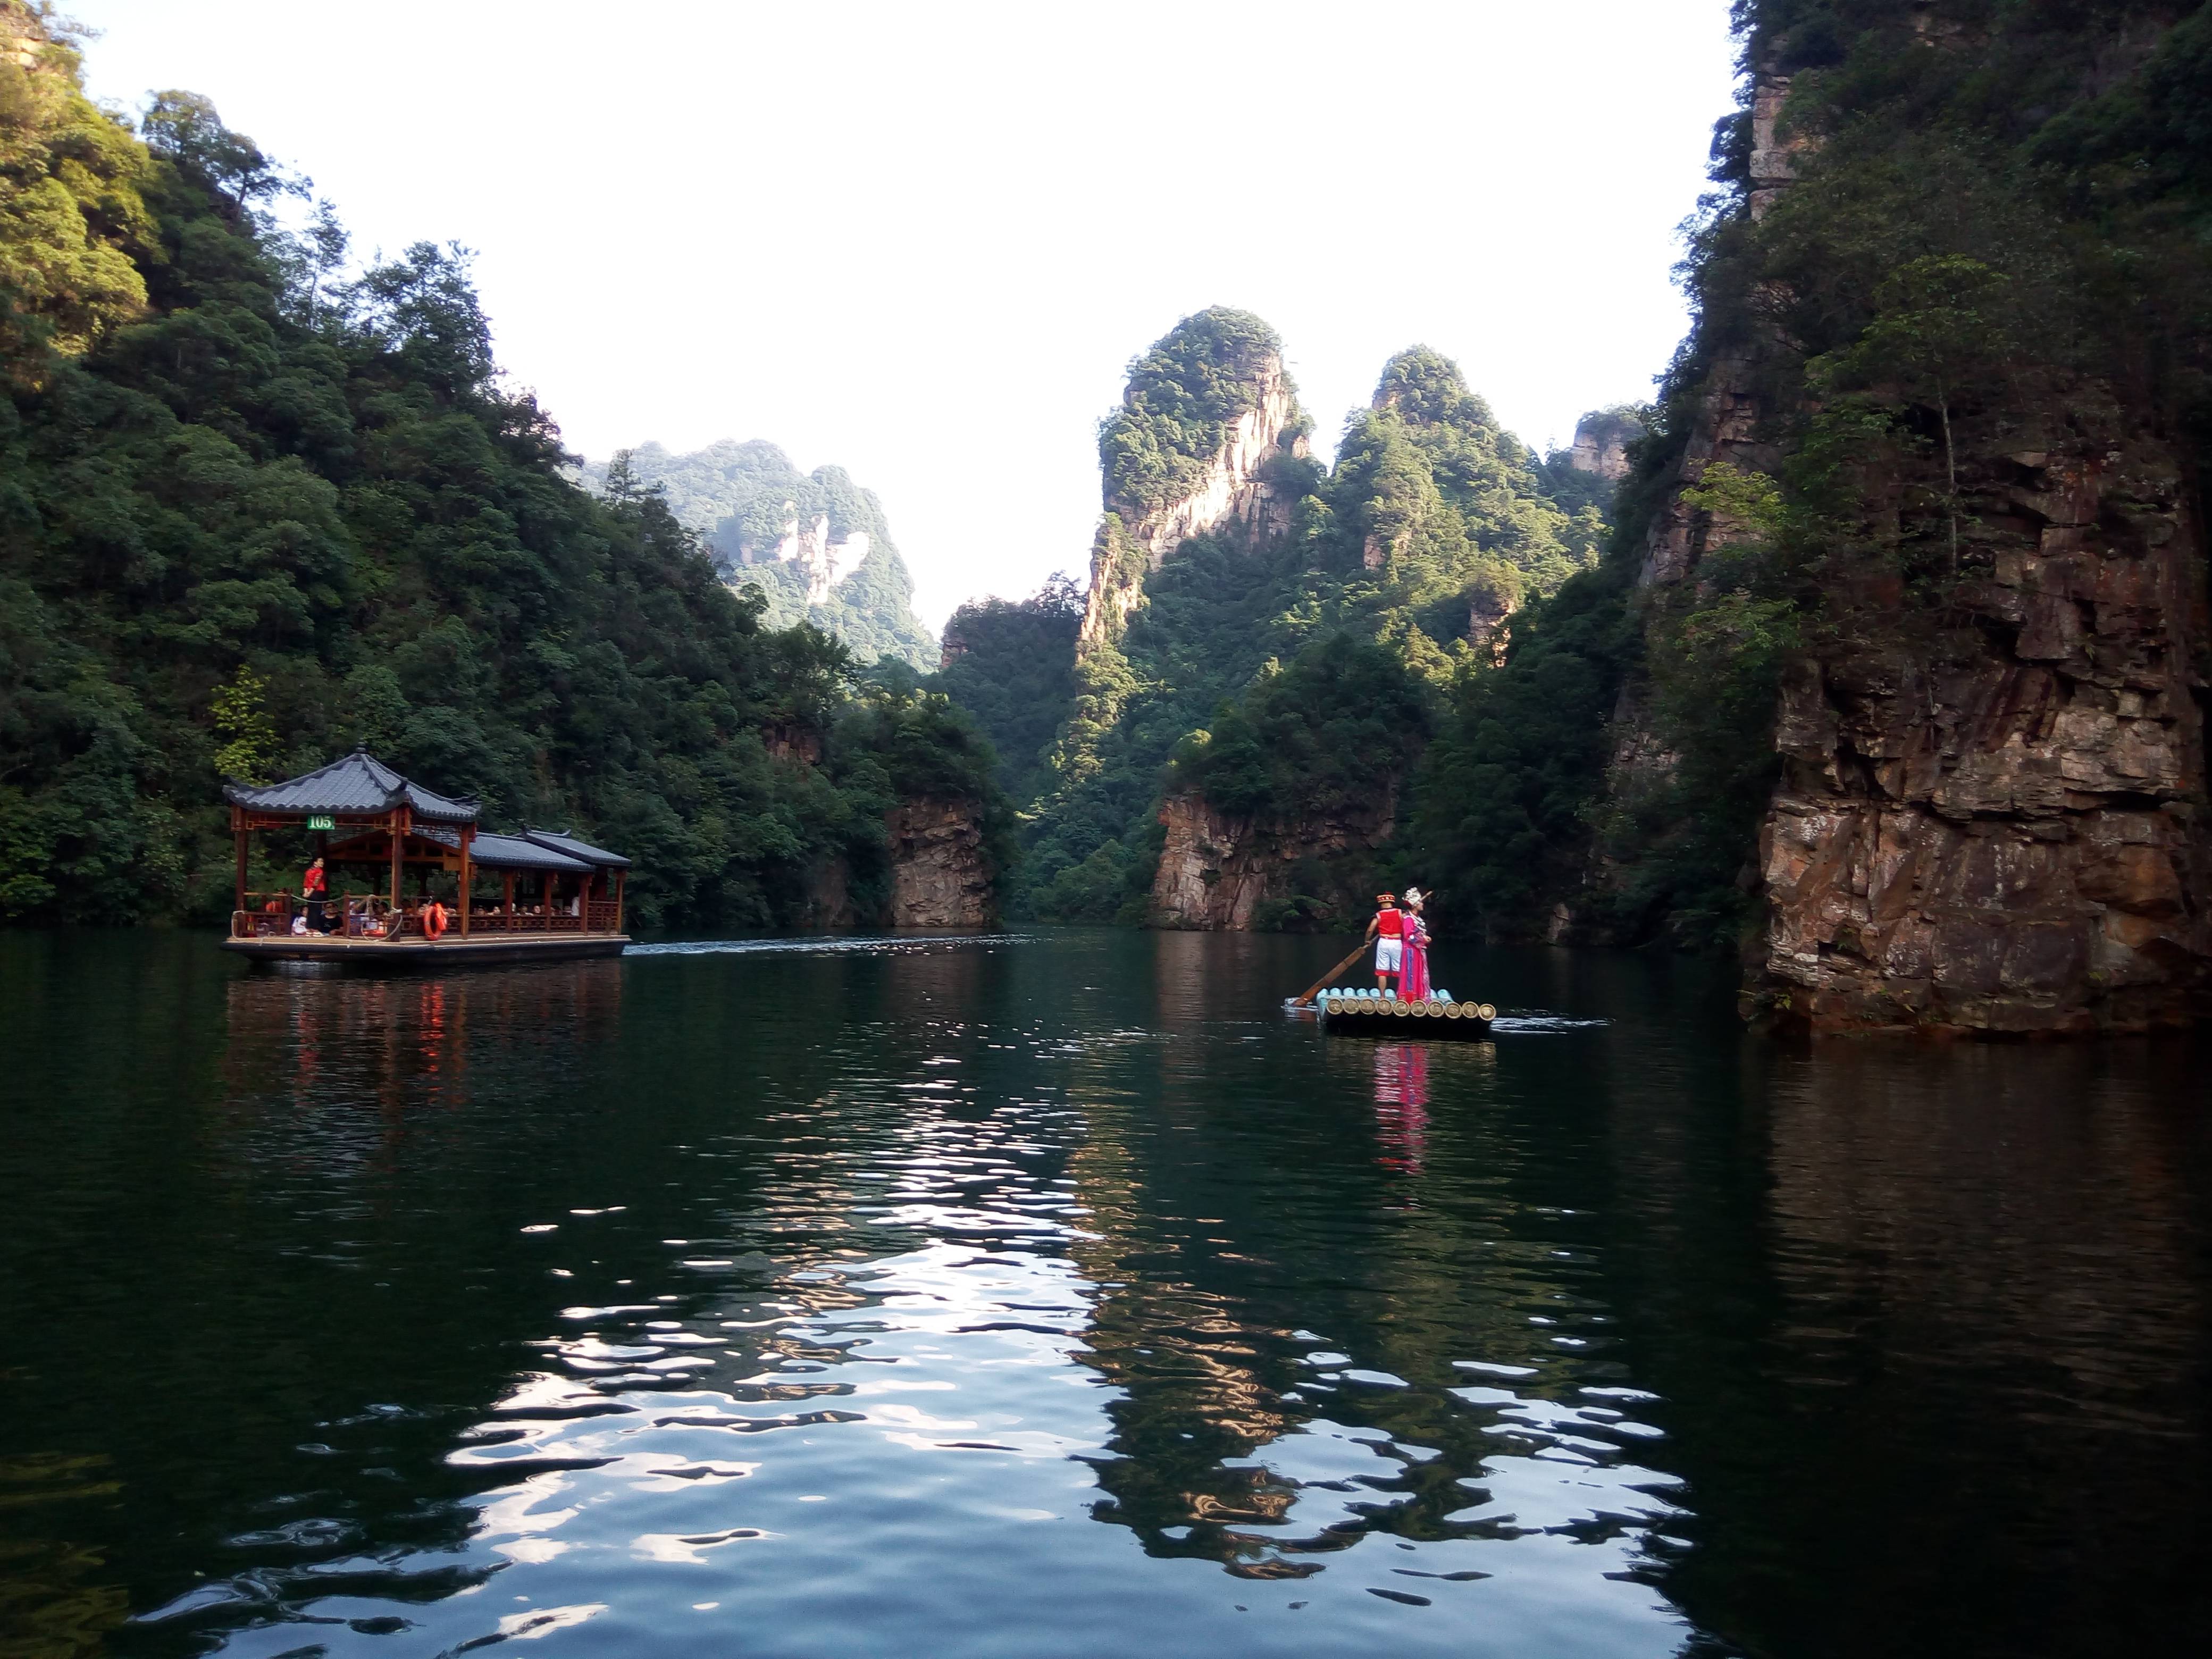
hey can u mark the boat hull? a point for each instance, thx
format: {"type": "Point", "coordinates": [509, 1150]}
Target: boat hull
{"type": "Point", "coordinates": [415, 956]}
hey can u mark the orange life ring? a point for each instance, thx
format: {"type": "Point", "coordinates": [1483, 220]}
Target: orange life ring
{"type": "Point", "coordinates": [434, 922]}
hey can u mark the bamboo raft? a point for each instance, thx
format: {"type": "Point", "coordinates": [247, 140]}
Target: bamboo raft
{"type": "Point", "coordinates": [1368, 1013]}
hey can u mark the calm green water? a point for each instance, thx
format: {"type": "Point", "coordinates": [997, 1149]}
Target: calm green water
{"type": "Point", "coordinates": [1055, 1295]}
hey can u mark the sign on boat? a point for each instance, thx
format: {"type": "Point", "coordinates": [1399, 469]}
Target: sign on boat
{"type": "Point", "coordinates": [559, 896]}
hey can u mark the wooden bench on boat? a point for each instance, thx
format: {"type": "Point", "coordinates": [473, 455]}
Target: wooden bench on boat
{"type": "Point", "coordinates": [1364, 1013]}
{"type": "Point", "coordinates": [571, 892]}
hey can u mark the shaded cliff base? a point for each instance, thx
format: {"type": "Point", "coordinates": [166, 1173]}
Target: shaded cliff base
{"type": "Point", "coordinates": [1221, 872]}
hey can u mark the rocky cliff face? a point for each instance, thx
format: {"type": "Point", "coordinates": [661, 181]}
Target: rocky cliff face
{"type": "Point", "coordinates": [2011, 837]}
{"type": "Point", "coordinates": [1117, 586]}
{"type": "Point", "coordinates": [1601, 446]}
{"type": "Point", "coordinates": [1217, 872]}
{"type": "Point", "coordinates": [823, 559]}
{"type": "Point", "coordinates": [1231, 491]}
{"type": "Point", "coordinates": [939, 875]}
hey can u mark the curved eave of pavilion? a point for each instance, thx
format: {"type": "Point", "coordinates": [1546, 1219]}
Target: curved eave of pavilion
{"type": "Point", "coordinates": [356, 785]}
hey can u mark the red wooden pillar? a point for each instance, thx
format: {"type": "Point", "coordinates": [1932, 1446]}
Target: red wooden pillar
{"type": "Point", "coordinates": [468, 839]}
{"type": "Point", "coordinates": [239, 834]}
{"type": "Point", "coordinates": [399, 822]}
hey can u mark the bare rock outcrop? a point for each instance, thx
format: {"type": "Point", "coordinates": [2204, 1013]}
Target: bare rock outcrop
{"type": "Point", "coordinates": [1217, 871]}
{"type": "Point", "coordinates": [939, 876]}
{"type": "Point", "coordinates": [1601, 440]}
{"type": "Point", "coordinates": [2010, 836]}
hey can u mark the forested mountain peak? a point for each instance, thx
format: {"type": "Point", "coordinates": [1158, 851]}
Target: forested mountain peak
{"type": "Point", "coordinates": [1209, 439]}
{"type": "Point", "coordinates": [817, 545]}
{"type": "Point", "coordinates": [1210, 395]}
{"type": "Point", "coordinates": [1426, 388]}
{"type": "Point", "coordinates": [1240, 593]}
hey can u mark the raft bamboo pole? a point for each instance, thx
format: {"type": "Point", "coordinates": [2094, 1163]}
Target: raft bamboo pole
{"type": "Point", "coordinates": [1313, 989]}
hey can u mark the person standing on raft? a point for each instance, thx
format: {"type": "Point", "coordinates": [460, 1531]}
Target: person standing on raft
{"type": "Point", "coordinates": [1413, 980]}
{"type": "Point", "coordinates": [1387, 930]}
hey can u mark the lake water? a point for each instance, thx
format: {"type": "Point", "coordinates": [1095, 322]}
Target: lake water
{"type": "Point", "coordinates": [1054, 1294]}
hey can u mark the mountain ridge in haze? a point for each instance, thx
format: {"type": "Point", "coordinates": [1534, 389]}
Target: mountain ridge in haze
{"type": "Point", "coordinates": [818, 544]}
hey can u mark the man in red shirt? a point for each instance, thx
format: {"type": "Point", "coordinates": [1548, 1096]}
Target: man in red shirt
{"type": "Point", "coordinates": [1387, 930]}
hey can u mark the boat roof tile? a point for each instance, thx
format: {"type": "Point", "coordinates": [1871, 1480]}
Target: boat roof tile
{"type": "Point", "coordinates": [358, 783]}
{"type": "Point", "coordinates": [508, 853]}
{"type": "Point", "coordinates": [562, 841]}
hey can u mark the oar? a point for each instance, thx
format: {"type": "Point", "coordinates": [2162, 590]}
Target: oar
{"type": "Point", "coordinates": [1358, 951]}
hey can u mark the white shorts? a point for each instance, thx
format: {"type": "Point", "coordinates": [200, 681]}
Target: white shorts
{"type": "Point", "coordinates": [1390, 955]}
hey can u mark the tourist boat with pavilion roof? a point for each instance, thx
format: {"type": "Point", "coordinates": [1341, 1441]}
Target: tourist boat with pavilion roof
{"type": "Point", "coordinates": [363, 815]}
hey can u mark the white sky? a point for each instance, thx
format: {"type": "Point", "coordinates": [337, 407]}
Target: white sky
{"type": "Point", "coordinates": [923, 240]}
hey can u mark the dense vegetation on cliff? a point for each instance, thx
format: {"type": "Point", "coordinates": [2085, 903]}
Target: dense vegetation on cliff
{"type": "Point", "coordinates": [1949, 241]}
{"type": "Point", "coordinates": [1010, 664]}
{"type": "Point", "coordinates": [253, 511]}
{"type": "Point", "coordinates": [752, 505]}
{"type": "Point", "coordinates": [1255, 661]}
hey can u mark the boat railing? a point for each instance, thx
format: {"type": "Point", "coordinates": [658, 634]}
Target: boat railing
{"type": "Point", "coordinates": [272, 915]}
{"type": "Point", "coordinates": [599, 917]}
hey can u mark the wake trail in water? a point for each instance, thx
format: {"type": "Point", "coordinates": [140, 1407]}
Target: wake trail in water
{"type": "Point", "coordinates": [821, 945]}
{"type": "Point", "coordinates": [1535, 1022]}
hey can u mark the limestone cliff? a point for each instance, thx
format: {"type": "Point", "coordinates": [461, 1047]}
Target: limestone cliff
{"type": "Point", "coordinates": [1222, 873]}
{"type": "Point", "coordinates": [823, 560]}
{"type": "Point", "coordinates": [939, 875]}
{"type": "Point", "coordinates": [1231, 487]}
{"type": "Point", "coordinates": [2012, 836]}
{"type": "Point", "coordinates": [1196, 461]}
{"type": "Point", "coordinates": [1601, 440]}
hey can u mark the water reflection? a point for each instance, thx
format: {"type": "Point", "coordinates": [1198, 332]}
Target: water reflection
{"type": "Point", "coordinates": [1978, 1361]}
{"type": "Point", "coordinates": [1401, 1105]}
{"type": "Point", "coordinates": [1055, 1296]}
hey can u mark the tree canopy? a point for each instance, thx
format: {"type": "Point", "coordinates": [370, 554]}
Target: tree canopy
{"type": "Point", "coordinates": [255, 510]}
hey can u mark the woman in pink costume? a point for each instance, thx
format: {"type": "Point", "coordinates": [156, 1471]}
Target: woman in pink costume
{"type": "Point", "coordinates": [1413, 978]}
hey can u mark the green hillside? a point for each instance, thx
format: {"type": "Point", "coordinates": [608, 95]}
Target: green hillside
{"type": "Point", "coordinates": [255, 510]}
